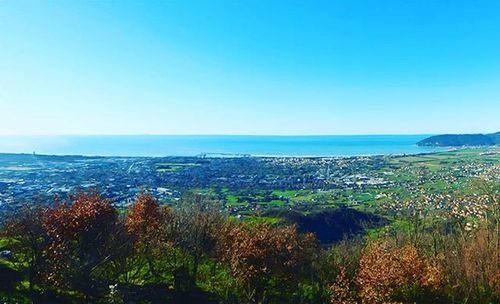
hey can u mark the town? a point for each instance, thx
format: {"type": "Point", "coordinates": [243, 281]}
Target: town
{"type": "Point", "coordinates": [248, 186]}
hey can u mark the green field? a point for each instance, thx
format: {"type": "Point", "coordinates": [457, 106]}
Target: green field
{"type": "Point", "coordinates": [174, 167]}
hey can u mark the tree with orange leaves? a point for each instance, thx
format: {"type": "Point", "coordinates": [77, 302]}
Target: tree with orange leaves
{"type": "Point", "coordinates": [385, 273]}
{"type": "Point", "coordinates": [145, 217]}
{"type": "Point", "coordinates": [259, 255]}
{"type": "Point", "coordinates": [146, 221]}
{"type": "Point", "coordinates": [85, 238]}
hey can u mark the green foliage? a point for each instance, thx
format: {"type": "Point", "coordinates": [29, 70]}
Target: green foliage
{"type": "Point", "coordinates": [193, 252]}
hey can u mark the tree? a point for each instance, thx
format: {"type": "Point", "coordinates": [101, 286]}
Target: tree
{"type": "Point", "coordinates": [263, 254]}
{"type": "Point", "coordinates": [28, 240]}
{"type": "Point", "coordinates": [194, 227]}
{"type": "Point", "coordinates": [386, 273]}
{"type": "Point", "coordinates": [85, 238]}
{"type": "Point", "coordinates": [146, 222]}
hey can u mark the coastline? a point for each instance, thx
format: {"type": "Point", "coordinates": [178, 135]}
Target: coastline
{"type": "Point", "coordinates": [264, 156]}
{"type": "Point", "coordinates": [190, 146]}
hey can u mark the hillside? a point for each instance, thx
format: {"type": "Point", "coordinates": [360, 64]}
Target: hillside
{"type": "Point", "coordinates": [495, 137]}
{"type": "Point", "coordinates": [454, 140]}
{"type": "Point", "coordinates": [331, 226]}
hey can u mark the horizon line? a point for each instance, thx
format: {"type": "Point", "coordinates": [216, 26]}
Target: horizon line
{"type": "Point", "coordinates": [249, 135]}
{"type": "Point", "coordinates": [218, 134]}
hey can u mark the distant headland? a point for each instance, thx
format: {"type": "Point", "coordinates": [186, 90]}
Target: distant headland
{"type": "Point", "coordinates": [456, 140]}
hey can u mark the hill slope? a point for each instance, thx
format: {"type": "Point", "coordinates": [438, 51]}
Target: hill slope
{"type": "Point", "coordinates": [452, 140]}
{"type": "Point", "coordinates": [332, 225]}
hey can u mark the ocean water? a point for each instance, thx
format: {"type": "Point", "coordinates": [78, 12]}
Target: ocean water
{"type": "Point", "coordinates": [191, 145]}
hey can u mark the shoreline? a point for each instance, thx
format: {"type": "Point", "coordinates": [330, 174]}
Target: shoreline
{"type": "Point", "coordinates": [242, 155]}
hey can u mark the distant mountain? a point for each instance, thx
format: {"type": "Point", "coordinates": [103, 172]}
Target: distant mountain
{"type": "Point", "coordinates": [454, 140]}
{"type": "Point", "coordinates": [495, 137]}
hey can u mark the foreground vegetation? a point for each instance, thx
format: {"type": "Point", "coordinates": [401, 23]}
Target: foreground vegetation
{"type": "Point", "coordinates": [85, 250]}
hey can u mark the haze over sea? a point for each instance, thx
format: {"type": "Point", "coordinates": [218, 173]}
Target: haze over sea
{"type": "Point", "coordinates": [191, 145]}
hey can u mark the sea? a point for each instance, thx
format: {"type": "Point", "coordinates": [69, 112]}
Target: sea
{"type": "Point", "coordinates": [216, 145]}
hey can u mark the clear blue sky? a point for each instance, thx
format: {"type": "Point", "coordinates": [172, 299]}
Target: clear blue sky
{"type": "Point", "coordinates": [249, 67]}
